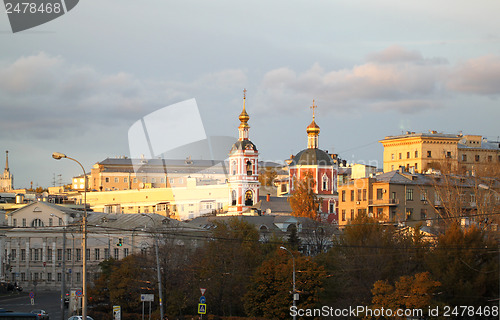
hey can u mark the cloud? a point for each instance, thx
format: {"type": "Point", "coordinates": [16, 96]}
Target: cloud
{"type": "Point", "coordinates": [478, 76]}
{"type": "Point", "coordinates": [394, 79]}
{"type": "Point", "coordinates": [42, 95]}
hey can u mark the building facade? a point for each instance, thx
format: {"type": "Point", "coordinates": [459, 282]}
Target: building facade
{"type": "Point", "coordinates": [419, 152]}
{"type": "Point", "coordinates": [7, 179]}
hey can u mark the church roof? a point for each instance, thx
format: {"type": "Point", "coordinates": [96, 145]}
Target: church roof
{"type": "Point", "coordinates": [311, 157]}
{"type": "Point", "coordinates": [243, 145]}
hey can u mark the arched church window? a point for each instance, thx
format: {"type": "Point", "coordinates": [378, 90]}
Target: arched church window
{"type": "Point", "coordinates": [233, 197]}
{"type": "Point", "coordinates": [325, 182]}
{"type": "Point", "coordinates": [249, 198]}
{"type": "Point", "coordinates": [249, 168]}
{"type": "Point", "coordinates": [233, 168]}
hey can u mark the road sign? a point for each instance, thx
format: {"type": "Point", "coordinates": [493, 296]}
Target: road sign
{"type": "Point", "coordinates": [202, 308]}
{"type": "Point", "coordinates": [32, 294]}
{"type": "Point", "coordinates": [147, 297]}
{"type": "Point", "coordinates": [203, 300]}
{"type": "Point", "coordinates": [78, 293]}
{"type": "Point", "coordinates": [117, 313]}
{"type": "Point", "coordinates": [203, 291]}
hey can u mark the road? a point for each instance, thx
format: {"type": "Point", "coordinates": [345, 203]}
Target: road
{"type": "Point", "coordinates": [48, 301]}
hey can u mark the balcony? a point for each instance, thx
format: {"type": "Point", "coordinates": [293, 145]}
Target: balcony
{"type": "Point", "coordinates": [383, 202]}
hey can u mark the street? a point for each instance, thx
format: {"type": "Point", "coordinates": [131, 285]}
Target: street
{"type": "Point", "coordinates": [48, 301]}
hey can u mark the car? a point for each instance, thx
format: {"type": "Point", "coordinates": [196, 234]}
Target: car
{"type": "Point", "coordinates": [42, 314]}
{"type": "Point", "coordinates": [79, 318]}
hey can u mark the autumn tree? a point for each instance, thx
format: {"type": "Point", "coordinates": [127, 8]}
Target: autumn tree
{"type": "Point", "coordinates": [409, 292]}
{"type": "Point", "coordinates": [303, 201]}
{"type": "Point", "coordinates": [270, 291]}
{"type": "Point", "coordinates": [227, 264]}
{"type": "Point", "coordinates": [267, 176]}
{"type": "Point", "coordinates": [466, 262]}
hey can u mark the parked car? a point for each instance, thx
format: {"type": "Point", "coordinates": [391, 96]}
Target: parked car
{"type": "Point", "coordinates": [79, 318]}
{"type": "Point", "coordinates": [42, 315]}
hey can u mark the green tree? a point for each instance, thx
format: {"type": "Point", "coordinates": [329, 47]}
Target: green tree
{"type": "Point", "coordinates": [303, 201]}
{"type": "Point", "coordinates": [269, 293]}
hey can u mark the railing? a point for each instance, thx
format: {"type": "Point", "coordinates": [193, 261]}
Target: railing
{"type": "Point", "coordinates": [383, 202]}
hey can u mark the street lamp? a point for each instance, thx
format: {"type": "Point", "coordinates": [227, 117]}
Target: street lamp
{"type": "Point", "coordinates": [59, 156]}
{"type": "Point", "coordinates": [293, 261]}
{"type": "Point", "coordinates": [63, 279]}
{"type": "Point", "coordinates": [157, 268]}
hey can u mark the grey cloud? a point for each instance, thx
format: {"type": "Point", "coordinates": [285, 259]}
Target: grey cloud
{"type": "Point", "coordinates": [478, 76]}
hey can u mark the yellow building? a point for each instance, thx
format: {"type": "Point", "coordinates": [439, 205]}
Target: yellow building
{"type": "Point", "coordinates": [418, 152]}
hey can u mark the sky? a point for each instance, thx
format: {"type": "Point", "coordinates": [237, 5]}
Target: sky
{"type": "Point", "coordinates": [78, 83]}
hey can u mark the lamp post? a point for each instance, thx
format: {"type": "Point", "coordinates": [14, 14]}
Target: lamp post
{"type": "Point", "coordinates": [293, 274]}
{"type": "Point", "coordinates": [58, 156]}
{"type": "Point", "coordinates": [160, 293]}
{"type": "Point", "coordinates": [63, 278]}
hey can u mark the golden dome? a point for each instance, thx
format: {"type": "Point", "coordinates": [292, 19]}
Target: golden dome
{"type": "Point", "coordinates": [313, 128]}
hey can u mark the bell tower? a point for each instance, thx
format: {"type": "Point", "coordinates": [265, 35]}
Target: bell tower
{"type": "Point", "coordinates": [243, 168]}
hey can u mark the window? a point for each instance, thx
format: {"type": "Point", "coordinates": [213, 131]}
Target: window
{"type": "Point", "coordinates": [464, 158]}
{"type": "Point", "coordinates": [125, 252]}
{"type": "Point", "coordinates": [78, 254]}
{"type": "Point", "coordinates": [490, 158]}
{"type": "Point", "coordinates": [423, 196]}
{"type": "Point", "coordinates": [23, 254]}
{"type": "Point", "coordinates": [162, 180]}
{"type": "Point", "coordinates": [13, 254]}
{"type": "Point", "coordinates": [416, 166]}
{"type": "Point", "coordinates": [364, 194]}
{"type": "Point", "coordinates": [97, 254]}
{"type": "Point", "coordinates": [106, 253]}
{"type": "Point", "coordinates": [408, 155]}
{"type": "Point", "coordinates": [423, 214]}
{"type": "Point", "coordinates": [106, 179]}
{"type": "Point", "coordinates": [429, 154]}
{"type": "Point", "coordinates": [233, 166]}
{"type": "Point", "coordinates": [409, 194]}
{"type": "Point", "coordinates": [14, 223]}
{"type": "Point", "coordinates": [135, 180]}
{"type": "Point", "coordinates": [37, 223]}
{"type": "Point", "coordinates": [49, 276]}
{"type": "Point", "coordinates": [325, 183]}
{"type": "Point", "coordinates": [393, 195]}
{"type": "Point", "coordinates": [400, 157]}
{"type": "Point", "coordinates": [68, 254]}
{"type": "Point", "coordinates": [24, 222]}
{"type": "Point", "coordinates": [116, 253]}
{"type": "Point", "coordinates": [249, 168]}
{"type": "Point", "coordinates": [125, 180]}
{"type": "Point", "coordinates": [171, 180]}
{"type": "Point", "coordinates": [392, 167]}
{"type": "Point", "coordinates": [153, 180]}
{"type": "Point", "coordinates": [409, 213]}
{"type": "Point", "coordinates": [343, 195]}
{"type": "Point", "coordinates": [117, 180]}
{"type": "Point", "coordinates": [380, 194]}
{"type": "Point", "coordinates": [233, 197]}
{"type": "Point", "coordinates": [59, 254]}
{"type": "Point", "coordinates": [59, 277]}
{"type": "Point", "coordinates": [49, 254]}
{"type": "Point", "coordinates": [343, 215]}
{"type": "Point", "coordinates": [51, 222]}
{"type": "Point", "coordinates": [78, 277]}
{"type": "Point", "coordinates": [352, 214]}
{"type": "Point", "coordinates": [358, 198]}
{"type": "Point", "coordinates": [416, 154]}
{"type": "Point", "coordinates": [392, 156]}
{"type": "Point", "coordinates": [352, 195]}
{"type": "Point", "coordinates": [477, 158]}
{"type": "Point", "coordinates": [37, 254]}
{"type": "Point", "coordinates": [380, 212]}
{"type": "Point", "coordinates": [332, 207]}
{"type": "Point", "coordinates": [23, 276]}
{"type": "Point", "coordinates": [448, 154]}
{"type": "Point", "coordinates": [144, 180]}
{"type": "Point", "coordinates": [87, 256]}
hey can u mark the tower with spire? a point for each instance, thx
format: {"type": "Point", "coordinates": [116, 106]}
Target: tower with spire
{"type": "Point", "coordinates": [320, 165]}
{"type": "Point", "coordinates": [243, 168]}
{"type": "Point", "coordinates": [7, 179]}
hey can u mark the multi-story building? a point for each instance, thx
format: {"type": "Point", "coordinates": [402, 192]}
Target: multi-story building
{"type": "Point", "coordinates": [419, 152]}
{"type": "Point", "coordinates": [42, 242]}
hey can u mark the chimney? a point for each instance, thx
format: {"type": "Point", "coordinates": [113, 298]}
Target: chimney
{"type": "Point", "coordinates": [268, 197]}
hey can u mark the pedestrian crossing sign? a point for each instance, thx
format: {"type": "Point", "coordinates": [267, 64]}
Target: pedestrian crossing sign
{"type": "Point", "coordinates": [202, 308]}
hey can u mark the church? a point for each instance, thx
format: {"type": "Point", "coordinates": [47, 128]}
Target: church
{"type": "Point", "coordinates": [7, 179]}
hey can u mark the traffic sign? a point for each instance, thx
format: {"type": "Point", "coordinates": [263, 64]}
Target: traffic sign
{"type": "Point", "coordinates": [203, 300]}
{"type": "Point", "coordinates": [202, 308]}
{"type": "Point", "coordinates": [147, 297]}
{"type": "Point", "coordinates": [32, 294]}
{"type": "Point", "coordinates": [117, 313]}
{"type": "Point", "coordinates": [203, 291]}
{"type": "Point", "coordinates": [78, 293]}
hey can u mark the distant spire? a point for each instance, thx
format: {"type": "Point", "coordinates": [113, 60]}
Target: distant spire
{"type": "Point", "coordinates": [313, 107]}
{"type": "Point", "coordinates": [6, 160]}
{"type": "Point", "coordinates": [244, 117]}
{"type": "Point", "coordinates": [313, 131]}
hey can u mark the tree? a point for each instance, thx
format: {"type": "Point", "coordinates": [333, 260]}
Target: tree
{"type": "Point", "coordinates": [409, 292]}
{"type": "Point", "coordinates": [228, 262]}
{"type": "Point", "coordinates": [303, 201]}
{"type": "Point", "coordinates": [269, 292]}
{"type": "Point", "coordinates": [466, 262]}
{"type": "Point", "coordinates": [267, 176]}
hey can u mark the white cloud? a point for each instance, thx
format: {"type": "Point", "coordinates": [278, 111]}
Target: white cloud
{"type": "Point", "coordinates": [480, 76]}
